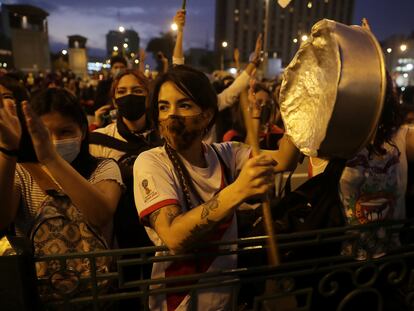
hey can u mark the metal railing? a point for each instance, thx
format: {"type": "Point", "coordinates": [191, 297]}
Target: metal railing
{"type": "Point", "coordinates": [313, 275]}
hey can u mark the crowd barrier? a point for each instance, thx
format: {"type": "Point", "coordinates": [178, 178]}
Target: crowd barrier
{"type": "Point", "coordinates": [313, 275]}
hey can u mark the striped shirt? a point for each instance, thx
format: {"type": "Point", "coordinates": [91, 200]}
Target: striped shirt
{"type": "Point", "coordinates": [32, 195]}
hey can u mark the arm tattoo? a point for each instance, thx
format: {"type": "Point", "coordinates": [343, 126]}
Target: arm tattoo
{"type": "Point", "coordinates": [172, 212]}
{"type": "Point", "coordinates": [198, 233]}
{"type": "Point", "coordinates": [209, 206]}
{"type": "Point", "coordinates": [153, 218]}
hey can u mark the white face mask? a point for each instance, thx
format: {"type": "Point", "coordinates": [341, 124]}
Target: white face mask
{"type": "Point", "coordinates": [69, 148]}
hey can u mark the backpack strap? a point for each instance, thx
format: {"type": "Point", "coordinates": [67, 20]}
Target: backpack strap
{"type": "Point", "coordinates": [101, 139]}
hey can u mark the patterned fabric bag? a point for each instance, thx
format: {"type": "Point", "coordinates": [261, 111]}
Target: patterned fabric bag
{"type": "Point", "coordinates": [60, 228]}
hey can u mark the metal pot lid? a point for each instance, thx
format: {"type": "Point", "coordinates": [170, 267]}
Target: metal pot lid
{"type": "Point", "coordinates": [332, 92]}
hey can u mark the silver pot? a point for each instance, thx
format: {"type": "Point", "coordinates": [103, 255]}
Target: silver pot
{"type": "Point", "coordinates": [333, 91]}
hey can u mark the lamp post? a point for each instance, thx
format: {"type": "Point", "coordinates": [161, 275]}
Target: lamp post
{"type": "Point", "coordinates": [224, 45]}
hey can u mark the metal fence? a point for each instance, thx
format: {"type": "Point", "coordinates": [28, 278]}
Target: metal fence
{"type": "Point", "coordinates": [313, 275]}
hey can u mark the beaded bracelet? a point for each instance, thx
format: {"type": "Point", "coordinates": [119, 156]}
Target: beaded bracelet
{"type": "Point", "coordinates": [10, 153]}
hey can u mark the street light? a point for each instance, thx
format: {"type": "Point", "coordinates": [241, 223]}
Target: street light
{"type": "Point", "coordinates": [295, 40]}
{"type": "Point", "coordinates": [136, 61]}
{"type": "Point", "coordinates": [224, 44]}
{"type": "Point", "coordinates": [403, 47]}
{"type": "Point", "coordinates": [174, 27]}
{"type": "Point", "coordinates": [115, 48]}
{"type": "Point", "coordinates": [304, 38]}
{"type": "Point", "coordinates": [389, 50]}
{"type": "Point", "coordinates": [64, 52]}
{"type": "Point", "coordinates": [121, 28]}
{"type": "Point", "coordinates": [125, 45]}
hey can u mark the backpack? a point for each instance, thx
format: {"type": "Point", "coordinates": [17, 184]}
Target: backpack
{"type": "Point", "coordinates": [128, 229]}
{"type": "Point", "coordinates": [313, 205]}
{"type": "Point", "coordinates": [60, 228]}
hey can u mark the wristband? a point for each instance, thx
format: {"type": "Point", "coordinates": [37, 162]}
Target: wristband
{"type": "Point", "coordinates": [10, 153]}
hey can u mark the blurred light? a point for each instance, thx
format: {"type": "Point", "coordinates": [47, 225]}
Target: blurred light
{"type": "Point", "coordinates": [405, 75]}
{"type": "Point", "coordinates": [233, 71]}
{"type": "Point", "coordinates": [224, 44]}
{"type": "Point", "coordinates": [403, 47]}
{"type": "Point", "coordinates": [410, 67]}
{"type": "Point", "coordinates": [4, 65]}
{"type": "Point", "coordinates": [389, 50]}
{"type": "Point", "coordinates": [115, 48]}
{"type": "Point", "coordinates": [64, 52]}
{"type": "Point", "coordinates": [295, 40]}
{"type": "Point", "coordinates": [402, 89]}
{"type": "Point", "coordinates": [108, 61]}
{"type": "Point", "coordinates": [304, 37]}
{"type": "Point", "coordinates": [125, 45]}
{"type": "Point", "coordinates": [132, 54]}
{"type": "Point", "coordinates": [309, 5]}
{"type": "Point", "coordinates": [174, 27]}
{"type": "Point", "coordinates": [121, 28]}
{"type": "Point", "coordinates": [136, 61]}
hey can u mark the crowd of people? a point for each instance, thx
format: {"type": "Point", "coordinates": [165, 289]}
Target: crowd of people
{"type": "Point", "coordinates": [167, 161]}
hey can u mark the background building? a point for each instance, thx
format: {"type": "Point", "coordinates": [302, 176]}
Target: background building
{"type": "Point", "coordinates": [24, 40]}
{"type": "Point", "coordinates": [238, 22]}
{"type": "Point", "coordinates": [78, 58]}
{"type": "Point", "coordinates": [123, 41]}
{"type": "Point", "coordinates": [399, 57]}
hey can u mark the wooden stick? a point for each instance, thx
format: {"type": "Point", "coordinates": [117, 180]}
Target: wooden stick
{"type": "Point", "coordinates": [253, 139]}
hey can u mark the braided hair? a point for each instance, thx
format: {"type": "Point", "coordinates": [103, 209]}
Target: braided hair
{"type": "Point", "coordinates": [184, 177]}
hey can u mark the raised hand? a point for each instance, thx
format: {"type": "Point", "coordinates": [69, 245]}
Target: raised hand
{"type": "Point", "coordinates": [42, 143]}
{"type": "Point", "coordinates": [10, 129]}
{"type": "Point", "coordinates": [179, 19]}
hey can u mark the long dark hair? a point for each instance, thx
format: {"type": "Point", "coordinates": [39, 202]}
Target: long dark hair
{"type": "Point", "coordinates": [192, 83]}
{"type": "Point", "coordinates": [13, 85]}
{"type": "Point", "coordinates": [390, 121]}
{"type": "Point", "coordinates": [62, 101]}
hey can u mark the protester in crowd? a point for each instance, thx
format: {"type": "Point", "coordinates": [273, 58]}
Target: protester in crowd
{"type": "Point", "coordinates": [192, 199]}
{"type": "Point", "coordinates": [230, 95]}
{"type": "Point", "coordinates": [59, 133]}
{"type": "Point", "coordinates": [103, 100]}
{"type": "Point", "coordinates": [374, 182]}
{"type": "Point", "coordinates": [269, 133]}
{"type": "Point", "coordinates": [123, 141]}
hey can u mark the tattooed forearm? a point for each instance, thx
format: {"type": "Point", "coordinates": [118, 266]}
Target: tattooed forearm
{"type": "Point", "coordinates": [209, 206]}
{"type": "Point", "coordinates": [172, 213]}
{"type": "Point", "coordinates": [153, 217]}
{"type": "Point", "coordinates": [197, 233]}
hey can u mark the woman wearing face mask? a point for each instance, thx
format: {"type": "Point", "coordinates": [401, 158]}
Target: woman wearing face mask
{"type": "Point", "coordinates": [58, 130]}
{"type": "Point", "coordinates": [123, 140]}
{"type": "Point", "coordinates": [187, 191]}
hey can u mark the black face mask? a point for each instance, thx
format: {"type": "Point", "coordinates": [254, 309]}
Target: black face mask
{"type": "Point", "coordinates": [131, 107]}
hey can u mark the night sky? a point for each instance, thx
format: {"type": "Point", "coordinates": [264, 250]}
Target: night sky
{"type": "Point", "coordinates": [93, 19]}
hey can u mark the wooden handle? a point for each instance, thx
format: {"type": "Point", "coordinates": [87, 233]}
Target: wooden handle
{"type": "Point", "coordinates": [253, 138]}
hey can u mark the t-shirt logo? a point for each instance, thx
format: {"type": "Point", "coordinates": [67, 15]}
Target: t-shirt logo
{"type": "Point", "coordinates": [148, 189]}
{"type": "Point", "coordinates": [145, 186]}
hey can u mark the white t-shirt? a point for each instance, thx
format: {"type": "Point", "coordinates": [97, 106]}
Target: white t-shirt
{"type": "Point", "coordinates": [156, 185]}
{"type": "Point", "coordinates": [372, 189]}
{"type": "Point", "coordinates": [103, 151]}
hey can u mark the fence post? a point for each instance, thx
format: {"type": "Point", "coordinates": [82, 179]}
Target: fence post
{"type": "Point", "coordinates": [18, 288]}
